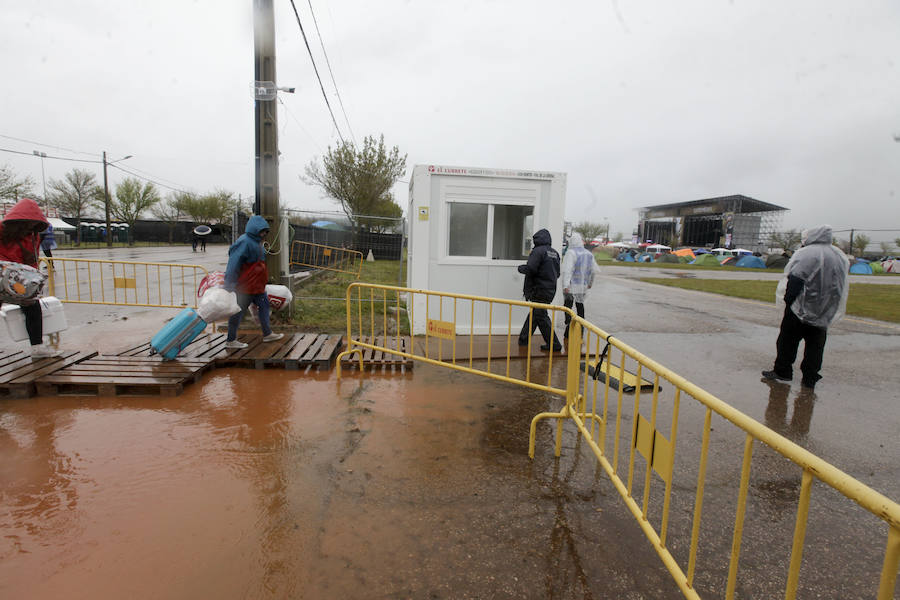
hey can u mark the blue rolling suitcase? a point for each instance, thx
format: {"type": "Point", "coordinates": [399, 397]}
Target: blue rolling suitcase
{"type": "Point", "coordinates": [178, 333]}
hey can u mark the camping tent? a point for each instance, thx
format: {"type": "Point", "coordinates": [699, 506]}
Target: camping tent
{"type": "Point", "coordinates": [644, 257]}
{"type": "Point", "coordinates": [685, 252]}
{"type": "Point", "coordinates": [328, 225]}
{"type": "Point", "coordinates": [750, 262]}
{"type": "Point", "coordinates": [876, 267]}
{"type": "Point", "coordinates": [625, 257]}
{"type": "Point", "coordinates": [667, 258]}
{"type": "Point", "coordinates": [891, 266]}
{"type": "Point", "coordinates": [722, 252]}
{"type": "Point", "coordinates": [729, 261]}
{"type": "Point", "coordinates": [742, 251]}
{"type": "Point", "coordinates": [706, 260]}
{"type": "Point", "coordinates": [657, 248]}
{"type": "Point", "coordinates": [776, 261]}
{"type": "Point", "coordinates": [861, 268]}
{"type": "Point", "coordinates": [701, 251]}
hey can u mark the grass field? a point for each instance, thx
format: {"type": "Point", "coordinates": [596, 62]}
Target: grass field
{"type": "Point", "coordinates": [320, 305]}
{"type": "Point", "coordinates": [869, 300]}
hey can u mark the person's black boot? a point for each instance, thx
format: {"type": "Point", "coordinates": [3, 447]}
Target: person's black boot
{"type": "Point", "coordinates": [775, 376]}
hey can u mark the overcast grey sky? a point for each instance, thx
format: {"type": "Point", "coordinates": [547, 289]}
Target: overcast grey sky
{"type": "Point", "coordinates": [640, 103]}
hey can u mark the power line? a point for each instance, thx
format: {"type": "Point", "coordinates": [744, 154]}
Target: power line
{"type": "Point", "coordinates": [9, 137]}
{"type": "Point", "coordinates": [322, 87]}
{"type": "Point", "coordinates": [169, 187]}
{"type": "Point", "coordinates": [48, 156]}
{"type": "Point", "coordinates": [328, 63]}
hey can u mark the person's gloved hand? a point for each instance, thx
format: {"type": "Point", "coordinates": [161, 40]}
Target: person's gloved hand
{"type": "Point", "coordinates": [523, 269]}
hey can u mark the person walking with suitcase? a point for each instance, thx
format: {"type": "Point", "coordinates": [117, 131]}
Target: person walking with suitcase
{"type": "Point", "coordinates": [247, 275]}
{"type": "Point", "coordinates": [20, 243]}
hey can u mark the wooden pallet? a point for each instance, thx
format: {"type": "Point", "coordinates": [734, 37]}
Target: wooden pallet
{"type": "Point", "coordinates": [19, 371]}
{"type": "Point", "coordinates": [123, 376]}
{"type": "Point", "coordinates": [379, 359]}
{"type": "Point", "coordinates": [293, 351]}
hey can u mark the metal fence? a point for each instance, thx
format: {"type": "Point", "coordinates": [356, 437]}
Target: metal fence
{"type": "Point", "coordinates": [88, 281]}
{"type": "Point", "coordinates": [639, 443]}
{"type": "Point", "coordinates": [328, 258]}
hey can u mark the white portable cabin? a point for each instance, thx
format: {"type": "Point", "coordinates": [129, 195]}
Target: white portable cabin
{"type": "Point", "coordinates": [469, 228]}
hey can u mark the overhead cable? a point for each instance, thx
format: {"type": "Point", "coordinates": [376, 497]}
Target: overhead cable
{"type": "Point", "coordinates": [330, 72]}
{"type": "Point", "coordinates": [322, 87]}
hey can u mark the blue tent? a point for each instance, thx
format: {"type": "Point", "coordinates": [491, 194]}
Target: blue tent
{"type": "Point", "coordinates": [327, 225]}
{"type": "Point", "coordinates": [751, 262]}
{"type": "Point", "coordinates": [644, 257]}
{"type": "Point", "coordinates": [861, 268]}
{"type": "Point", "coordinates": [701, 251]}
{"type": "Point", "coordinates": [625, 257]}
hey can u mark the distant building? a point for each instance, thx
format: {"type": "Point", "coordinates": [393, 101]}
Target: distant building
{"type": "Point", "coordinates": [728, 221]}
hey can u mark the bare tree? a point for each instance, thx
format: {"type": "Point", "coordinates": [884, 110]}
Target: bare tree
{"type": "Point", "coordinates": [788, 240]}
{"type": "Point", "coordinates": [169, 212]}
{"type": "Point", "coordinates": [132, 199]}
{"type": "Point", "coordinates": [74, 195]}
{"type": "Point", "coordinates": [885, 248]}
{"type": "Point", "coordinates": [13, 187]}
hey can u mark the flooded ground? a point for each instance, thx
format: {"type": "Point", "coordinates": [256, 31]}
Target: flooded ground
{"type": "Point", "coordinates": [256, 484]}
{"type": "Point", "coordinates": [262, 484]}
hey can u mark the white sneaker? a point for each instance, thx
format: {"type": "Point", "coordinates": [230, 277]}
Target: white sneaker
{"type": "Point", "coordinates": [42, 351]}
{"type": "Point", "coordinates": [272, 337]}
{"type": "Point", "coordinates": [235, 344]}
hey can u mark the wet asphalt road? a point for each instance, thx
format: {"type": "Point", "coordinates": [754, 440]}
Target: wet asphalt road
{"type": "Point", "coordinates": [419, 485]}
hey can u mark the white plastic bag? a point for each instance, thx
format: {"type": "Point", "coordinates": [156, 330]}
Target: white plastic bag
{"type": "Point", "coordinates": [217, 304]}
{"type": "Point", "coordinates": [280, 296]}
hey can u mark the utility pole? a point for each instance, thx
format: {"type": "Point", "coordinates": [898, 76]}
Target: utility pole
{"type": "Point", "coordinates": [106, 202]}
{"type": "Point", "coordinates": [266, 202]}
{"type": "Point", "coordinates": [851, 242]}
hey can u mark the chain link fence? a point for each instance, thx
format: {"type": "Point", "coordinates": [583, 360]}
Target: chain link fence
{"type": "Point", "coordinates": [381, 242]}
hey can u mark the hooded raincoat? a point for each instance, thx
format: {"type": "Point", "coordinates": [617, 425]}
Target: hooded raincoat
{"type": "Point", "coordinates": [246, 271]}
{"type": "Point", "coordinates": [542, 269]}
{"type": "Point", "coordinates": [25, 249]}
{"type": "Point", "coordinates": [822, 268]}
{"type": "Point", "coordinates": [578, 268]}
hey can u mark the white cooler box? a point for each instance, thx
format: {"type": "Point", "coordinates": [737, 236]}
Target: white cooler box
{"type": "Point", "coordinates": [51, 311]}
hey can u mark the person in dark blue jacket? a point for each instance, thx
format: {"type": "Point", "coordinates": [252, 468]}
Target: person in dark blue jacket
{"type": "Point", "coordinates": [541, 272]}
{"type": "Point", "coordinates": [247, 275]}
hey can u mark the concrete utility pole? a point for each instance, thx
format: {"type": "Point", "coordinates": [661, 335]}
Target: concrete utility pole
{"type": "Point", "coordinates": [106, 202]}
{"type": "Point", "coordinates": [266, 203]}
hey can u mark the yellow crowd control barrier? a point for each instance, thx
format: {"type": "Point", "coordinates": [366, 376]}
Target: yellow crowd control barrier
{"type": "Point", "coordinates": [328, 258]}
{"type": "Point", "coordinates": [87, 281]}
{"type": "Point", "coordinates": [637, 440]}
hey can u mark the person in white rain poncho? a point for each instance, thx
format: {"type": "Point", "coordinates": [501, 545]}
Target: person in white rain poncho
{"type": "Point", "coordinates": [578, 270]}
{"type": "Point", "coordinates": [814, 293]}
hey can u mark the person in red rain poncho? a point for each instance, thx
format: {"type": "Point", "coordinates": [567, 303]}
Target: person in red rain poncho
{"type": "Point", "coordinates": [20, 242]}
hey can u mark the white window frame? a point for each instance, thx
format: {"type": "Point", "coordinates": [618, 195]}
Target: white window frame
{"type": "Point", "coordinates": [527, 189]}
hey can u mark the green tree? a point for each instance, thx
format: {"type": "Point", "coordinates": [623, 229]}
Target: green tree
{"type": "Point", "coordinates": [860, 241]}
{"type": "Point", "coordinates": [13, 187]}
{"type": "Point", "coordinates": [74, 195]}
{"type": "Point", "coordinates": [360, 180]}
{"type": "Point", "coordinates": [885, 248]}
{"type": "Point", "coordinates": [132, 198]}
{"type": "Point", "coordinates": [589, 230]}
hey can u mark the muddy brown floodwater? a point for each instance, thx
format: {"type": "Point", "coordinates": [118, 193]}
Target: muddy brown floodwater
{"type": "Point", "coordinates": [256, 484]}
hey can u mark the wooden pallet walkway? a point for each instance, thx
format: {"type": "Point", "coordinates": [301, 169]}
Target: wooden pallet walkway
{"type": "Point", "coordinates": [293, 351]}
{"type": "Point", "coordinates": [379, 359]}
{"type": "Point", "coordinates": [19, 371]}
{"type": "Point", "coordinates": [124, 376]}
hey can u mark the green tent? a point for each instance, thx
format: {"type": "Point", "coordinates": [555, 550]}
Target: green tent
{"type": "Point", "coordinates": [876, 267]}
{"type": "Point", "coordinates": [667, 258]}
{"type": "Point", "coordinates": [706, 260]}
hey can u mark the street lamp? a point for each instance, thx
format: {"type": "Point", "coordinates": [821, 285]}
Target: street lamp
{"type": "Point", "coordinates": [106, 194]}
{"type": "Point", "coordinates": [42, 156]}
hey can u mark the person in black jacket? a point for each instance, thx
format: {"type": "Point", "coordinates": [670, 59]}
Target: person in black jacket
{"type": "Point", "coordinates": [541, 272]}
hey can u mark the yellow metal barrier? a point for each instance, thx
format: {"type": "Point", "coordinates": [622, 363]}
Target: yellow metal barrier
{"type": "Point", "coordinates": [595, 365]}
{"type": "Point", "coordinates": [88, 281]}
{"type": "Point", "coordinates": [328, 258]}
